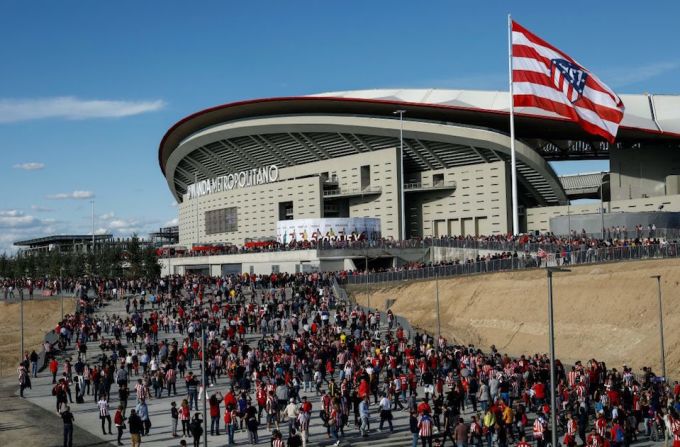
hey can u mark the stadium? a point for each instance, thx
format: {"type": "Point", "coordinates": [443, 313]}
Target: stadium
{"type": "Point", "coordinates": [236, 170]}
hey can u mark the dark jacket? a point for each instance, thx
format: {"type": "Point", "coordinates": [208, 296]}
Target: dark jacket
{"type": "Point", "coordinates": [413, 424]}
{"type": "Point", "coordinates": [136, 426]}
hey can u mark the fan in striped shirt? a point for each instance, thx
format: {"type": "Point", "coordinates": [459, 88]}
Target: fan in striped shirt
{"type": "Point", "coordinates": [104, 414]}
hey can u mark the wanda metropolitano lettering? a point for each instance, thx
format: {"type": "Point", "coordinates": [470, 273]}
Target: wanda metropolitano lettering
{"type": "Point", "coordinates": [242, 179]}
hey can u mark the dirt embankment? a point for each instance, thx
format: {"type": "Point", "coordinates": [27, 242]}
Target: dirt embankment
{"type": "Point", "coordinates": [40, 316]}
{"type": "Point", "coordinates": [608, 312]}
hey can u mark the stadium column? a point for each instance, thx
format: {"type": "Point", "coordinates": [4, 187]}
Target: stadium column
{"type": "Point", "coordinates": [402, 196]}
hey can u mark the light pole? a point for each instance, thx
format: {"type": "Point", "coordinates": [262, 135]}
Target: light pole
{"type": "Point", "coordinates": [196, 199]}
{"type": "Point", "coordinates": [205, 384]}
{"type": "Point", "coordinates": [61, 290]}
{"type": "Point", "coordinates": [401, 170]}
{"type": "Point", "coordinates": [663, 350]}
{"type": "Point", "coordinates": [368, 294]}
{"type": "Point", "coordinates": [92, 202]}
{"type": "Point", "coordinates": [602, 202]}
{"type": "Point", "coordinates": [21, 316]}
{"type": "Point", "coordinates": [439, 325]}
{"type": "Point", "coordinates": [551, 331]}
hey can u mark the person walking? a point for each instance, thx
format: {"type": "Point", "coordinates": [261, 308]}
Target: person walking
{"type": "Point", "coordinates": [136, 428]}
{"type": "Point", "coordinates": [24, 379]}
{"type": "Point", "coordinates": [364, 414]}
{"type": "Point", "coordinates": [67, 418]}
{"type": "Point", "coordinates": [251, 425]}
{"type": "Point", "coordinates": [54, 369]}
{"type": "Point", "coordinates": [386, 412]}
{"type": "Point", "coordinates": [425, 430]}
{"type": "Point", "coordinates": [185, 417]}
{"type": "Point", "coordinates": [196, 428]}
{"type": "Point", "coordinates": [143, 413]}
{"type": "Point", "coordinates": [104, 414]}
{"type": "Point", "coordinates": [119, 422]}
{"type": "Point", "coordinates": [413, 427]}
{"type": "Point", "coordinates": [174, 418]}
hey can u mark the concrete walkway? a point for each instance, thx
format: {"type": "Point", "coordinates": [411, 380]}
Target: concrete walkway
{"type": "Point", "coordinates": [25, 424]}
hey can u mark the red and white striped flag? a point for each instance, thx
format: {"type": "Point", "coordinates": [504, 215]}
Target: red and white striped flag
{"type": "Point", "coordinates": [546, 78]}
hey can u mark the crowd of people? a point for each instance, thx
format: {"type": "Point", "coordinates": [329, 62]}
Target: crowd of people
{"type": "Point", "coordinates": [260, 348]}
{"type": "Point", "coordinates": [549, 242]}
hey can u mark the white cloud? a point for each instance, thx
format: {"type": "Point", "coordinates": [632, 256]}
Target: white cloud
{"type": "Point", "coordinates": [624, 76]}
{"type": "Point", "coordinates": [174, 204]}
{"type": "Point", "coordinates": [16, 219]}
{"type": "Point", "coordinates": [121, 223]}
{"type": "Point", "coordinates": [101, 231]}
{"type": "Point", "coordinates": [30, 166]}
{"type": "Point", "coordinates": [107, 216]}
{"type": "Point", "coordinates": [69, 107]}
{"type": "Point", "coordinates": [76, 195]}
{"type": "Point", "coordinates": [172, 223]}
{"type": "Point", "coordinates": [41, 209]}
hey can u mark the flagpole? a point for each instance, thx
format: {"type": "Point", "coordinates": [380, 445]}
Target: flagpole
{"type": "Point", "coordinates": [513, 163]}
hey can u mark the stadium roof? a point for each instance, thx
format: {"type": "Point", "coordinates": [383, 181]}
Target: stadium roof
{"type": "Point", "coordinates": [646, 116]}
{"type": "Point", "coordinates": [61, 239]}
{"type": "Point", "coordinates": [289, 131]}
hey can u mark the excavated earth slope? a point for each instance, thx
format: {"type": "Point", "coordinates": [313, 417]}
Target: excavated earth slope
{"type": "Point", "coordinates": [607, 312]}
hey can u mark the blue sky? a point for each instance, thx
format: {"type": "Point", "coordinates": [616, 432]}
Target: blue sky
{"type": "Point", "coordinates": [89, 88]}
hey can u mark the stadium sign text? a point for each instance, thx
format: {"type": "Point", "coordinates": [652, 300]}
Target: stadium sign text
{"type": "Point", "coordinates": [243, 179]}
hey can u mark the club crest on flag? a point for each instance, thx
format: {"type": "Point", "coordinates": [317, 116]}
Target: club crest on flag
{"type": "Point", "coordinates": [568, 77]}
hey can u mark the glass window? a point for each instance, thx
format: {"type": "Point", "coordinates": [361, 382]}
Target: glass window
{"type": "Point", "coordinates": [224, 220]}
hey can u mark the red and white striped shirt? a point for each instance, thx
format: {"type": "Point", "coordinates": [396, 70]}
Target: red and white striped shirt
{"type": "Point", "coordinates": [278, 442]}
{"type": "Point", "coordinates": [601, 426]}
{"type": "Point", "coordinates": [140, 389]}
{"type": "Point", "coordinates": [103, 407]}
{"type": "Point", "coordinates": [538, 429]}
{"type": "Point", "coordinates": [572, 427]}
{"type": "Point", "coordinates": [675, 429]}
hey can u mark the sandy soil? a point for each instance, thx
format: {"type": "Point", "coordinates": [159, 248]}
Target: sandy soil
{"type": "Point", "coordinates": [40, 316]}
{"type": "Point", "coordinates": [608, 312]}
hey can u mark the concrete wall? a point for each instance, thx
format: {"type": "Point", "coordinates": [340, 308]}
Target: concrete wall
{"type": "Point", "coordinates": [257, 209]}
{"type": "Point", "coordinates": [643, 172]}
{"type": "Point", "coordinates": [478, 205]}
{"type": "Point", "coordinates": [258, 263]}
{"type": "Point", "coordinates": [258, 206]}
{"type": "Point", "coordinates": [592, 223]}
{"type": "Point", "coordinates": [538, 219]}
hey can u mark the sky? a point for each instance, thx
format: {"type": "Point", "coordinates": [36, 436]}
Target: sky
{"type": "Point", "coordinates": [89, 88]}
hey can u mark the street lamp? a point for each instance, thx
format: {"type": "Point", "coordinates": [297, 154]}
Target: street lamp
{"type": "Point", "coordinates": [61, 290]}
{"type": "Point", "coordinates": [602, 174]}
{"type": "Point", "coordinates": [205, 382]}
{"type": "Point", "coordinates": [368, 294]}
{"type": "Point", "coordinates": [663, 351]}
{"type": "Point", "coordinates": [436, 284]}
{"type": "Point", "coordinates": [21, 316]}
{"type": "Point", "coordinates": [551, 331]}
{"type": "Point", "coordinates": [401, 170]}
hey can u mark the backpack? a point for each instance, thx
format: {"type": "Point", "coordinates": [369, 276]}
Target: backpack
{"type": "Point", "coordinates": [619, 435]}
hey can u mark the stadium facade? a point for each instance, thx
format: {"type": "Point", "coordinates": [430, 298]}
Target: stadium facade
{"type": "Point", "coordinates": [237, 170]}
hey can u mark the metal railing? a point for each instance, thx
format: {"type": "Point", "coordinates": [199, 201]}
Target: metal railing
{"type": "Point", "coordinates": [579, 257]}
{"type": "Point", "coordinates": [419, 185]}
{"type": "Point", "coordinates": [352, 191]}
{"type": "Point", "coordinates": [491, 243]}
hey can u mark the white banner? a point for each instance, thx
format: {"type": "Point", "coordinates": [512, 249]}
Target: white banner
{"type": "Point", "coordinates": [329, 229]}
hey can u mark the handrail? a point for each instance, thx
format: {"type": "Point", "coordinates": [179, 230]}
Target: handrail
{"type": "Point", "coordinates": [581, 257]}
